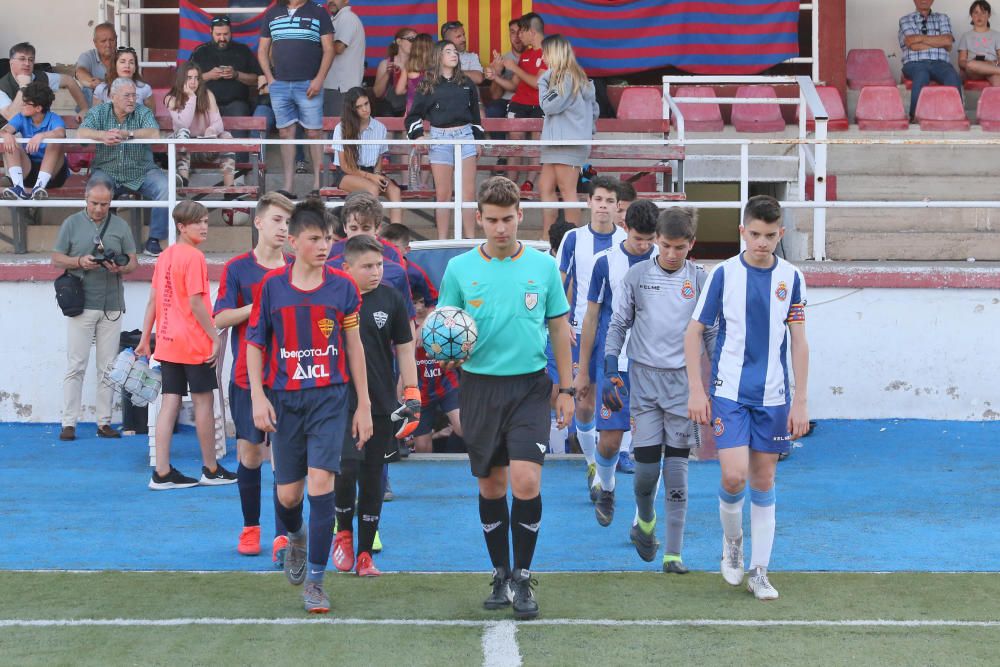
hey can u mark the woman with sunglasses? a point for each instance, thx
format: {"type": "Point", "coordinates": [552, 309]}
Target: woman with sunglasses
{"type": "Point", "coordinates": [358, 167]}
{"type": "Point", "coordinates": [195, 113]}
{"type": "Point", "coordinates": [388, 101]}
{"type": "Point", "coordinates": [126, 66]}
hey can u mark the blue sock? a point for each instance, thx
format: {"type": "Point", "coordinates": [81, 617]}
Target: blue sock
{"type": "Point", "coordinates": [321, 512]}
{"type": "Point", "coordinates": [279, 525]}
{"type": "Point", "coordinates": [290, 517]}
{"type": "Point", "coordinates": [248, 481]}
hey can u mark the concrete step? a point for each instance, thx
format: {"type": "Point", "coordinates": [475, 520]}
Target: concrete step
{"type": "Point", "coordinates": [887, 160]}
{"type": "Point", "coordinates": [910, 220]}
{"type": "Point", "coordinates": [864, 187]}
{"type": "Point", "coordinates": [913, 246]}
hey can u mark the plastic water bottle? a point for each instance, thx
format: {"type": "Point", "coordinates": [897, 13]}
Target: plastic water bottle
{"type": "Point", "coordinates": [120, 367]}
{"type": "Point", "coordinates": [413, 170]}
{"type": "Point", "coordinates": [150, 385]}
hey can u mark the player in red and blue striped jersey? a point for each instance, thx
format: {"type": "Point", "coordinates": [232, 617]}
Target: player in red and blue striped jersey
{"type": "Point", "coordinates": [438, 392]}
{"type": "Point", "coordinates": [240, 283]}
{"type": "Point", "coordinates": [420, 283]}
{"type": "Point", "coordinates": [304, 322]}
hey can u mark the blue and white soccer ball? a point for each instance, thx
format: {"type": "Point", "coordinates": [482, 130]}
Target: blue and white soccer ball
{"type": "Point", "coordinates": [449, 334]}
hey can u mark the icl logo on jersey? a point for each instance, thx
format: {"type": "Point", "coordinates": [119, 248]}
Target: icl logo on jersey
{"type": "Point", "coordinates": [432, 372]}
{"type": "Point", "coordinates": [311, 371]}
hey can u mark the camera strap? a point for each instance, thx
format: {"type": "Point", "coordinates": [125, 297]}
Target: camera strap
{"type": "Point", "coordinates": [100, 235]}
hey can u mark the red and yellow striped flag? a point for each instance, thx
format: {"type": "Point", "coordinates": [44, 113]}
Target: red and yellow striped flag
{"type": "Point", "coordinates": [485, 22]}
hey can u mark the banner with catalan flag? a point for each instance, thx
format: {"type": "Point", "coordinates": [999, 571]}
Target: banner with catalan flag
{"type": "Point", "coordinates": [609, 36]}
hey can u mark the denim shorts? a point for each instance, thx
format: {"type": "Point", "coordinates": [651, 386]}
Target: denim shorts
{"type": "Point", "coordinates": [445, 154]}
{"type": "Point", "coordinates": [291, 105]}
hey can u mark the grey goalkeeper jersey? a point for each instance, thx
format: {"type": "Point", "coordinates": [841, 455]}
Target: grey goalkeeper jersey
{"type": "Point", "coordinates": [657, 307]}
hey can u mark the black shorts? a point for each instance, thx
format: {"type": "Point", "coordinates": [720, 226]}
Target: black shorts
{"type": "Point", "coordinates": [381, 448]}
{"type": "Point", "coordinates": [57, 181]}
{"type": "Point", "coordinates": [310, 431]}
{"type": "Point", "coordinates": [517, 110]}
{"type": "Point", "coordinates": [241, 408]}
{"type": "Point", "coordinates": [178, 377]}
{"type": "Point", "coordinates": [338, 175]}
{"type": "Point", "coordinates": [504, 418]}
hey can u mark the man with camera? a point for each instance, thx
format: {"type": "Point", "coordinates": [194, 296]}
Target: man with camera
{"type": "Point", "coordinates": [98, 248]}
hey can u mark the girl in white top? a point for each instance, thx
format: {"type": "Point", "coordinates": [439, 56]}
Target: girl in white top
{"type": "Point", "coordinates": [358, 167]}
{"type": "Point", "coordinates": [978, 48]}
{"type": "Point", "coordinates": [195, 113]}
{"type": "Point", "coordinates": [126, 66]}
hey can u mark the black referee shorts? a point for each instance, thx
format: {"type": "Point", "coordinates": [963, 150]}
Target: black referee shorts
{"type": "Point", "coordinates": [504, 418]}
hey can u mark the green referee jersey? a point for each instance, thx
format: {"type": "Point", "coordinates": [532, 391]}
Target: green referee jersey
{"type": "Point", "coordinates": [511, 300]}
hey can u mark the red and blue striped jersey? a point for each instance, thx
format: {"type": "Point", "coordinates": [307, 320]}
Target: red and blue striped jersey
{"type": "Point", "coordinates": [434, 380]}
{"type": "Point", "coordinates": [393, 275]}
{"type": "Point", "coordinates": [302, 333]}
{"type": "Point", "coordinates": [421, 284]}
{"type": "Point", "coordinates": [389, 250]}
{"type": "Point", "coordinates": [238, 287]}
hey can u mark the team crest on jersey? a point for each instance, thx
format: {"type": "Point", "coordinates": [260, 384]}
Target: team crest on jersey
{"type": "Point", "coordinates": [605, 413]}
{"type": "Point", "coordinates": [326, 326]}
{"type": "Point", "coordinates": [687, 290]}
{"type": "Point", "coordinates": [717, 427]}
{"type": "Point", "coordinates": [530, 300]}
{"type": "Point", "coordinates": [380, 318]}
{"type": "Point", "coordinates": [782, 291]}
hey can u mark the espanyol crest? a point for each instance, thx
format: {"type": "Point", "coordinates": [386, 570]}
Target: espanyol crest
{"type": "Point", "coordinates": [781, 292]}
{"type": "Point", "coordinates": [530, 300]}
{"type": "Point", "coordinates": [687, 290]}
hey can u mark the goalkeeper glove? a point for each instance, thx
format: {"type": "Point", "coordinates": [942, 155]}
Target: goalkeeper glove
{"type": "Point", "coordinates": [408, 413]}
{"type": "Point", "coordinates": [614, 393]}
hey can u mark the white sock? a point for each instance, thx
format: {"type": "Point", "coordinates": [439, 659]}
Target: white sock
{"type": "Point", "coordinates": [606, 471]}
{"type": "Point", "coordinates": [587, 437]}
{"type": "Point", "coordinates": [626, 441]}
{"type": "Point", "coordinates": [731, 513]}
{"type": "Point", "coordinates": [16, 176]}
{"type": "Point", "coordinates": [761, 527]}
{"type": "Point", "coordinates": [43, 179]}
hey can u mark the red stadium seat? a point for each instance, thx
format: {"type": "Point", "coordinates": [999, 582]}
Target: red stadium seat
{"type": "Point", "coordinates": [988, 110]}
{"type": "Point", "coordinates": [757, 117]}
{"type": "Point", "coordinates": [868, 67]}
{"type": "Point", "coordinates": [641, 103]}
{"type": "Point", "coordinates": [880, 108]}
{"type": "Point", "coordinates": [975, 84]}
{"type": "Point", "coordinates": [698, 117]}
{"type": "Point", "coordinates": [834, 109]}
{"type": "Point", "coordinates": [161, 108]}
{"type": "Point", "coordinates": [940, 108]}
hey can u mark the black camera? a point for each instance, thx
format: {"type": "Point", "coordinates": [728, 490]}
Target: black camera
{"type": "Point", "coordinates": [111, 257]}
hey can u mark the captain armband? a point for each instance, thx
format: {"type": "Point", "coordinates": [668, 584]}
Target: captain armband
{"type": "Point", "coordinates": [796, 313]}
{"type": "Point", "coordinates": [350, 322]}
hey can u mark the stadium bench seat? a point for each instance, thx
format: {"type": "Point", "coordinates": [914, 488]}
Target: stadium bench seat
{"type": "Point", "coordinates": [641, 102]}
{"type": "Point", "coordinates": [988, 110]}
{"type": "Point", "coordinates": [835, 111]}
{"type": "Point", "coordinates": [868, 67]}
{"type": "Point", "coordinates": [880, 108]}
{"type": "Point", "coordinates": [698, 117]}
{"type": "Point", "coordinates": [975, 84]}
{"type": "Point", "coordinates": [940, 108]}
{"type": "Point", "coordinates": [757, 117]}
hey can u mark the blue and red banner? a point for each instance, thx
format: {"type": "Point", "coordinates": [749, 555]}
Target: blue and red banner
{"type": "Point", "coordinates": [196, 29]}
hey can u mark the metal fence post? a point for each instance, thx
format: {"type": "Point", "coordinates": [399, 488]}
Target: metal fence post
{"type": "Point", "coordinates": [457, 148]}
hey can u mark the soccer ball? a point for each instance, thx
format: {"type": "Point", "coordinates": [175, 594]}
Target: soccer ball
{"type": "Point", "coordinates": [449, 334]}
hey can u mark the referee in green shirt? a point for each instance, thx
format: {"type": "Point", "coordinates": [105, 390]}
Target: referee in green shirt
{"type": "Point", "coordinates": [516, 297]}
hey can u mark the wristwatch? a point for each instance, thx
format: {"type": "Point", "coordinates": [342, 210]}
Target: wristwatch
{"type": "Point", "coordinates": [569, 391]}
{"type": "Point", "coordinates": [131, 135]}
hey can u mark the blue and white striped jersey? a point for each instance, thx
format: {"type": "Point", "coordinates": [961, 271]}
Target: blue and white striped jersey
{"type": "Point", "coordinates": [753, 307]}
{"type": "Point", "coordinates": [606, 281]}
{"type": "Point", "coordinates": [577, 253]}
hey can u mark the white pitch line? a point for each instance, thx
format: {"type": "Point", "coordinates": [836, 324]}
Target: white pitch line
{"type": "Point", "coordinates": [426, 622]}
{"type": "Point", "coordinates": [500, 645]}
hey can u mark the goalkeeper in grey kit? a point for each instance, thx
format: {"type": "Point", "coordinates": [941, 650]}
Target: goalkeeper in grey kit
{"type": "Point", "coordinates": [657, 298]}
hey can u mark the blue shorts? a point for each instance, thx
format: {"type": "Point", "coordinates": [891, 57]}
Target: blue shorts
{"type": "Point", "coordinates": [445, 154]}
{"type": "Point", "coordinates": [241, 408]}
{"type": "Point", "coordinates": [291, 105]}
{"type": "Point", "coordinates": [310, 431]}
{"type": "Point", "coordinates": [762, 428]}
{"type": "Point", "coordinates": [613, 421]}
{"type": "Point", "coordinates": [550, 363]}
{"type": "Point", "coordinates": [576, 360]}
{"type": "Point", "coordinates": [429, 413]}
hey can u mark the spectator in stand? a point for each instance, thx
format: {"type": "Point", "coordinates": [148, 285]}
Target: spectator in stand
{"type": "Point", "coordinates": [978, 49]}
{"type": "Point", "coordinates": [417, 64]}
{"type": "Point", "coordinates": [454, 32]}
{"type": "Point", "coordinates": [126, 66]}
{"type": "Point", "coordinates": [85, 239]}
{"type": "Point", "coordinates": [44, 163]}
{"type": "Point", "coordinates": [925, 39]}
{"type": "Point", "coordinates": [526, 69]}
{"type": "Point", "coordinates": [129, 166]}
{"type": "Point", "coordinates": [195, 113]}
{"type": "Point", "coordinates": [388, 101]}
{"type": "Point", "coordinates": [500, 93]}
{"type": "Point", "coordinates": [296, 36]}
{"type": "Point", "coordinates": [263, 109]}
{"type": "Point", "coordinates": [229, 69]}
{"type": "Point", "coordinates": [348, 68]}
{"type": "Point", "coordinates": [359, 167]}
{"type": "Point", "coordinates": [567, 97]}
{"type": "Point", "coordinates": [450, 101]}
{"type": "Point", "coordinates": [22, 72]}
{"type": "Point", "coordinates": [92, 66]}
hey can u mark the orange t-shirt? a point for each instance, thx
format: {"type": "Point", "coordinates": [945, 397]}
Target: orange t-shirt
{"type": "Point", "coordinates": [181, 272]}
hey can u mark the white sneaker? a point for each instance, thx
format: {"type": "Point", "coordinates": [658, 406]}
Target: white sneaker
{"type": "Point", "coordinates": [732, 560]}
{"type": "Point", "coordinates": [760, 586]}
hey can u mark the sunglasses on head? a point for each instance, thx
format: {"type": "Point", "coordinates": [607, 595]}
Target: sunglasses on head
{"type": "Point", "coordinates": [450, 25]}
{"type": "Point", "coordinates": [126, 49]}
{"type": "Point", "coordinates": [221, 20]}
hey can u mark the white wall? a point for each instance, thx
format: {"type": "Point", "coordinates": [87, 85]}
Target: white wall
{"type": "Point", "coordinates": [60, 29]}
{"type": "Point", "coordinates": [873, 24]}
{"type": "Point", "coordinates": [876, 353]}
